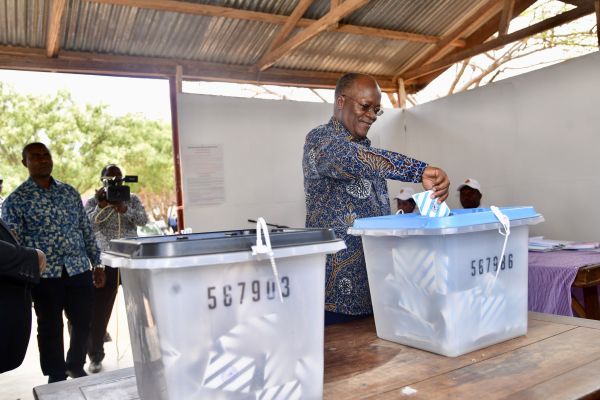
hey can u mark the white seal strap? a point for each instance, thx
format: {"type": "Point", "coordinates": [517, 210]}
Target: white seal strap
{"type": "Point", "coordinates": [265, 248]}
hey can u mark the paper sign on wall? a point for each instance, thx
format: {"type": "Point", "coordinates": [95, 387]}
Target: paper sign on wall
{"type": "Point", "coordinates": [204, 174]}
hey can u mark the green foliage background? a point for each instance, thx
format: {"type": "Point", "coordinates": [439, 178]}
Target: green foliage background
{"type": "Point", "coordinates": [82, 141]}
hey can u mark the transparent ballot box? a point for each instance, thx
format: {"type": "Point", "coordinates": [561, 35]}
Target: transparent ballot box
{"type": "Point", "coordinates": [442, 284]}
{"type": "Point", "coordinates": [206, 319]}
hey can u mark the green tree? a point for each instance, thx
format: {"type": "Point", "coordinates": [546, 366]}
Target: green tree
{"type": "Point", "coordinates": [82, 141]}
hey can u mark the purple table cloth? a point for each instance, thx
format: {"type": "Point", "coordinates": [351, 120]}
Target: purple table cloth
{"type": "Point", "coordinates": [551, 275]}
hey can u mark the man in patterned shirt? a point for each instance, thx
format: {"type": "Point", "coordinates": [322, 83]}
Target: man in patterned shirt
{"type": "Point", "coordinates": [110, 220]}
{"type": "Point", "coordinates": [344, 179]}
{"type": "Point", "coordinates": [48, 214]}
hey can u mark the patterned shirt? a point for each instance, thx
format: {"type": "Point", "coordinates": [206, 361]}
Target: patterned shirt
{"type": "Point", "coordinates": [344, 179]}
{"type": "Point", "coordinates": [109, 224]}
{"type": "Point", "coordinates": [53, 220]}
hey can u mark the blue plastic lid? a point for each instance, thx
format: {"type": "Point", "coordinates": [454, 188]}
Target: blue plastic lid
{"type": "Point", "coordinates": [459, 221]}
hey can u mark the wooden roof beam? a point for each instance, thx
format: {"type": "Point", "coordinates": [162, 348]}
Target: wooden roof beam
{"type": "Point", "coordinates": [542, 26]}
{"type": "Point", "coordinates": [289, 25]}
{"type": "Point", "coordinates": [57, 9]}
{"type": "Point", "coordinates": [332, 17]}
{"type": "Point", "coordinates": [394, 35]}
{"type": "Point", "coordinates": [277, 19]}
{"type": "Point", "coordinates": [507, 16]}
{"type": "Point", "coordinates": [31, 59]}
{"type": "Point", "coordinates": [476, 19]}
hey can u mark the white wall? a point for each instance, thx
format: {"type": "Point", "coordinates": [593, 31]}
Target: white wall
{"type": "Point", "coordinates": [529, 140]}
{"type": "Point", "coordinates": [262, 149]}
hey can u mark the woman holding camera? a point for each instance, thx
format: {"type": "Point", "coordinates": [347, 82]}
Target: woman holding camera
{"type": "Point", "coordinates": [111, 219]}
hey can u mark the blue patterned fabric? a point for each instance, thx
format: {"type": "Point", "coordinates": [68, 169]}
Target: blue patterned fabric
{"type": "Point", "coordinates": [54, 221]}
{"type": "Point", "coordinates": [345, 180]}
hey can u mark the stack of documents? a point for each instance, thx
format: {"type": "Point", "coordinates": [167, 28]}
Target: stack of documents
{"type": "Point", "coordinates": [538, 243]}
{"type": "Point", "coordinates": [582, 246]}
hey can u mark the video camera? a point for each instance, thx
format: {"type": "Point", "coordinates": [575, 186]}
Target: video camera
{"type": "Point", "coordinates": [114, 188]}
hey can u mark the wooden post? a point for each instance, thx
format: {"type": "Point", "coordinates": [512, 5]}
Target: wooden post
{"type": "Point", "coordinates": [176, 152]}
{"type": "Point", "coordinates": [597, 2]}
{"type": "Point", "coordinates": [401, 93]}
{"type": "Point", "coordinates": [179, 78]}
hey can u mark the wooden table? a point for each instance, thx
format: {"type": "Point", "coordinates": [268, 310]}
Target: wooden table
{"type": "Point", "coordinates": [588, 279]}
{"type": "Point", "coordinates": [557, 275]}
{"type": "Point", "coordinates": [559, 358]}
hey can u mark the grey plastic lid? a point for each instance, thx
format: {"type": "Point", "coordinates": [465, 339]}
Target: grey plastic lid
{"type": "Point", "coordinates": [214, 242]}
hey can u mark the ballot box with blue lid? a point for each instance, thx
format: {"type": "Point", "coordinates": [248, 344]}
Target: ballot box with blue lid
{"type": "Point", "coordinates": [441, 284]}
{"type": "Point", "coordinates": [206, 319]}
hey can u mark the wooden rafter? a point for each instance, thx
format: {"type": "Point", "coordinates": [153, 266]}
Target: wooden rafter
{"type": "Point", "coordinates": [179, 78]}
{"type": "Point", "coordinates": [507, 14]}
{"type": "Point", "coordinates": [394, 35]}
{"type": "Point", "coordinates": [153, 67]}
{"type": "Point", "coordinates": [289, 25]}
{"type": "Point", "coordinates": [401, 94]}
{"type": "Point", "coordinates": [542, 26]}
{"type": "Point", "coordinates": [476, 19]}
{"type": "Point", "coordinates": [57, 9]}
{"type": "Point", "coordinates": [276, 19]}
{"type": "Point", "coordinates": [332, 17]}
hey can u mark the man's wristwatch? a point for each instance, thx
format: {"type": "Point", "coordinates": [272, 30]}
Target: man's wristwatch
{"type": "Point", "coordinates": [99, 266]}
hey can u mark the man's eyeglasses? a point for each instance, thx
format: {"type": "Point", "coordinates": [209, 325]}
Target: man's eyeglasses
{"type": "Point", "coordinates": [365, 107]}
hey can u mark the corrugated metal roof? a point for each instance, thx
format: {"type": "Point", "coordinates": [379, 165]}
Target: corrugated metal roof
{"type": "Point", "coordinates": [282, 7]}
{"type": "Point", "coordinates": [23, 23]}
{"type": "Point", "coordinates": [334, 51]}
{"type": "Point", "coordinates": [424, 17]}
{"type": "Point", "coordinates": [103, 28]}
{"type": "Point", "coordinates": [348, 52]}
{"type": "Point", "coordinates": [112, 29]}
{"type": "Point", "coordinates": [131, 31]}
{"type": "Point", "coordinates": [141, 32]}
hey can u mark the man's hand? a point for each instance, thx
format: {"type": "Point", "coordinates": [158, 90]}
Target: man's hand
{"type": "Point", "coordinates": [41, 260]}
{"type": "Point", "coordinates": [101, 197]}
{"type": "Point", "coordinates": [99, 278]}
{"type": "Point", "coordinates": [120, 207]}
{"type": "Point", "coordinates": [436, 179]}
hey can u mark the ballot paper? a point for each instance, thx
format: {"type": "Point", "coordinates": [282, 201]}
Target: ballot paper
{"type": "Point", "coordinates": [429, 207]}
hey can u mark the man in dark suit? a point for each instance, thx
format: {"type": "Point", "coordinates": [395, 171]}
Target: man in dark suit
{"type": "Point", "coordinates": [20, 267]}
